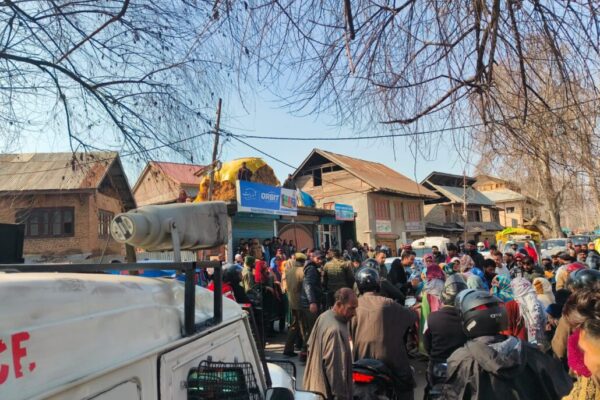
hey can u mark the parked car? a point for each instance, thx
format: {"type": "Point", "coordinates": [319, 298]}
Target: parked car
{"type": "Point", "coordinates": [553, 246]}
{"type": "Point", "coordinates": [580, 239]}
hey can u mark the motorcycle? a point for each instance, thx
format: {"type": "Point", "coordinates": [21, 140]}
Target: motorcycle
{"type": "Point", "coordinates": [439, 372]}
{"type": "Point", "coordinates": [372, 380]}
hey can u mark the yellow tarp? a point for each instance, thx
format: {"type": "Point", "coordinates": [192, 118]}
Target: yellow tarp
{"type": "Point", "coordinates": [504, 236]}
{"type": "Point", "coordinates": [226, 176]}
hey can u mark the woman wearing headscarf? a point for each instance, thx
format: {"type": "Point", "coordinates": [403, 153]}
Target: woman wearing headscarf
{"type": "Point", "coordinates": [543, 289]}
{"type": "Point", "coordinates": [478, 272]}
{"type": "Point", "coordinates": [466, 264]}
{"type": "Point", "coordinates": [532, 311]}
{"type": "Point", "coordinates": [475, 282]}
{"type": "Point", "coordinates": [501, 288]}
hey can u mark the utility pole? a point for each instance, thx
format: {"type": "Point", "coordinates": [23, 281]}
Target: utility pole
{"type": "Point", "coordinates": [214, 154]}
{"type": "Point", "coordinates": [465, 204]}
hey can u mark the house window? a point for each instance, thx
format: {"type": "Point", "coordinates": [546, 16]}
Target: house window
{"type": "Point", "coordinates": [47, 222]}
{"type": "Point", "coordinates": [317, 178]}
{"type": "Point", "coordinates": [104, 219]}
{"type": "Point", "coordinates": [382, 209]}
{"type": "Point", "coordinates": [510, 210]}
{"type": "Point", "coordinates": [398, 210]}
{"type": "Point", "coordinates": [413, 212]}
{"type": "Point", "coordinates": [515, 223]}
{"type": "Point", "coordinates": [495, 214]}
{"type": "Point", "coordinates": [473, 216]}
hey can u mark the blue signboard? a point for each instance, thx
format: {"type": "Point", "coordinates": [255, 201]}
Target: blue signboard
{"type": "Point", "coordinates": [264, 199]}
{"type": "Point", "coordinates": [344, 212]}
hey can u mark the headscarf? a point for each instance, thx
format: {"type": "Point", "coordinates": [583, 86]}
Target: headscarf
{"type": "Point", "coordinates": [503, 291]}
{"type": "Point", "coordinates": [466, 263]}
{"type": "Point", "coordinates": [434, 272]}
{"type": "Point", "coordinates": [476, 271]}
{"type": "Point", "coordinates": [449, 269]}
{"type": "Point", "coordinates": [426, 256]}
{"type": "Point", "coordinates": [475, 282]}
{"type": "Point", "coordinates": [434, 287]}
{"type": "Point", "coordinates": [543, 289]}
{"type": "Point", "coordinates": [531, 309]}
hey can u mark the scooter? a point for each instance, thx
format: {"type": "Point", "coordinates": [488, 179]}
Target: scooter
{"type": "Point", "coordinates": [372, 380]}
{"type": "Point", "coordinates": [438, 377]}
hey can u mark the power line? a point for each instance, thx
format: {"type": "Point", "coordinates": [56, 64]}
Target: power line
{"type": "Point", "coordinates": [291, 166]}
{"type": "Point", "coordinates": [409, 134]}
{"type": "Point", "coordinates": [129, 154]}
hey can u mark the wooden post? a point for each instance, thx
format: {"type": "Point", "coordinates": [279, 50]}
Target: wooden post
{"type": "Point", "coordinates": [465, 214]}
{"type": "Point", "coordinates": [214, 154]}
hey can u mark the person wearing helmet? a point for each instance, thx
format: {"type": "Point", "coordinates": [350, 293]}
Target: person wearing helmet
{"type": "Point", "coordinates": [378, 329]}
{"type": "Point", "coordinates": [480, 246]}
{"type": "Point", "coordinates": [492, 366]}
{"type": "Point", "coordinates": [387, 289]}
{"type": "Point", "coordinates": [580, 278]}
{"type": "Point", "coordinates": [232, 289]}
{"type": "Point", "coordinates": [444, 332]}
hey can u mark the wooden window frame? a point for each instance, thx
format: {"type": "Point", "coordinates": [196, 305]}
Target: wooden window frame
{"type": "Point", "coordinates": [104, 219]}
{"type": "Point", "coordinates": [382, 209]}
{"type": "Point", "coordinates": [24, 217]}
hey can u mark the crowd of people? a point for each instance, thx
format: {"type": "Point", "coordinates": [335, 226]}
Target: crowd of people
{"type": "Point", "coordinates": [508, 325]}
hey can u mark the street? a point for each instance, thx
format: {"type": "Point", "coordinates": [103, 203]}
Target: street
{"type": "Point", "coordinates": [274, 349]}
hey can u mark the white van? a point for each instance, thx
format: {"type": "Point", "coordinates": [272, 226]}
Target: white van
{"type": "Point", "coordinates": [423, 246]}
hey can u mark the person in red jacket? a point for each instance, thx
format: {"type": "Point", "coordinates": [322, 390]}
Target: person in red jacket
{"type": "Point", "coordinates": [531, 252]}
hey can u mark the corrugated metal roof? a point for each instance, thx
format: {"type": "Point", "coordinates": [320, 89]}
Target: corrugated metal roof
{"type": "Point", "coordinates": [456, 195]}
{"type": "Point", "coordinates": [502, 195]}
{"type": "Point", "coordinates": [53, 171]}
{"type": "Point", "coordinates": [379, 176]}
{"type": "Point", "coordinates": [180, 173]}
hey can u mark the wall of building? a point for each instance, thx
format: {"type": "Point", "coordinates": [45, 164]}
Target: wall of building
{"type": "Point", "coordinates": [333, 184]}
{"type": "Point", "coordinates": [85, 213]}
{"type": "Point", "coordinates": [155, 188]}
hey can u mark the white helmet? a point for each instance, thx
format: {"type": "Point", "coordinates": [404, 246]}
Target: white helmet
{"type": "Point", "coordinates": [480, 245]}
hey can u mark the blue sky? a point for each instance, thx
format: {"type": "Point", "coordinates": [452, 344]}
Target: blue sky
{"type": "Point", "coordinates": [263, 116]}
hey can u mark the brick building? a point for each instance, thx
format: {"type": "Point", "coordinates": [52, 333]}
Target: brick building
{"type": "Point", "coordinates": [160, 182]}
{"type": "Point", "coordinates": [388, 205]}
{"type": "Point", "coordinates": [66, 202]}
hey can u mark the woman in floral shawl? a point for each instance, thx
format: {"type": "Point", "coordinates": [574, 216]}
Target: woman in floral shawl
{"type": "Point", "coordinates": [532, 311]}
{"type": "Point", "coordinates": [501, 288]}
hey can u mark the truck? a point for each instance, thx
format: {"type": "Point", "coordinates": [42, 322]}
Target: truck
{"type": "Point", "coordinates": [73, 332]}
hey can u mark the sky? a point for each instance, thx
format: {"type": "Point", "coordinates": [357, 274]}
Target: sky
{"type": "Point", "coordinates": [263, 115]}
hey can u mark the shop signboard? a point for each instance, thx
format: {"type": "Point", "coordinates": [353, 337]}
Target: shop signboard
{"type": "Point", "coordinates": [264, 199]}
{"type": "Point", "coordinates": [383, 226]}
{"type": "Point", "coordinates": [344, 212]}
{"type": "Point", "coordinates": [414, 226]}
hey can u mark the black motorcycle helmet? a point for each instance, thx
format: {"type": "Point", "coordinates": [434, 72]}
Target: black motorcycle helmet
{"type": "Point", "coordinates": [231, 273]}
{"type": "Point", "coordinates": [482, 314]}
{"type": "Point", "coordinates": [452, 287]}
{"type": "Point", "coordinates": [583, 278]}
{"type": "Point", "coordinates": [367, 279]}
{"type": "Point", "coordinates": [370, 263]}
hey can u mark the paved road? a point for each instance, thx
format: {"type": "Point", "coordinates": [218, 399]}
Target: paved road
{"type": "Point", "coordinates": [275, 349]}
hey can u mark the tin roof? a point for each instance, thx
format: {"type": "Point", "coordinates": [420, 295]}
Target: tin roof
{"type": "Point", "coordinates": [456, 195]}
{"type": "Point", "coordinates": [37, 172]}
{"type": "Point", "coordinates": [377, 175]}
{"type": "Point", "coordinates": [502, 195]}
{"type": "Point", "coordinates": [180, 173]}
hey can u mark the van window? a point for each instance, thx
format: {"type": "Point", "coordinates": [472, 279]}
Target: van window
{"type": "Point", "coordinates": [125, 391]}
{"type": "Point", "coordinates": [219, 380]}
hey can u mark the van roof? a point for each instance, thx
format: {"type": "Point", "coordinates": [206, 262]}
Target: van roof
{"type": "Point", "coordinates": [72, 325]}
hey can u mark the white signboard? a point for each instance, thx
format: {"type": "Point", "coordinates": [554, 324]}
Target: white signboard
{"type": "Point", "coordinates": [383, 226]}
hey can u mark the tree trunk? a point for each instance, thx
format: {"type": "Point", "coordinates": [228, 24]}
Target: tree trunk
{"type": "Point", "coordinates": [552, 199]}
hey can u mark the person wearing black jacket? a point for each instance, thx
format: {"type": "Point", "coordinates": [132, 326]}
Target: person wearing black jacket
{"type": "Point", "coordinates": [471, 250]}
{"type": "Point", "coordinates": [491, 366]}
{"type": "Point", "coordinates": [311, 298]}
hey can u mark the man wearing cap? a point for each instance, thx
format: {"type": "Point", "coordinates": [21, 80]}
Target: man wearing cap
{"type": "Point", "coordinates": [337, 273]}
{"type": "Point", "coordinates": [471, 250]}
{"type": "Point", "coordinates": [293, 279]}
{"type": "Point", "coordinates": [593, 258]}
{"type": "Point", "coordinates": [311, 298]}
{"type": "Point", "coordinates": [562, 275]}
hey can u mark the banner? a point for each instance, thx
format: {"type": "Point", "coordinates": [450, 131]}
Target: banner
{"type": "Point", "coordinates": [383, 226]}
{"type": "Point", "coordinates": [344, 212]}
{"type": "Point", "coordinates": [264, 199]}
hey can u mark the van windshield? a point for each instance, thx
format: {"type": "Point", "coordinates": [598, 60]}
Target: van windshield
{"type": "Point", "coordinates": [420, 252]}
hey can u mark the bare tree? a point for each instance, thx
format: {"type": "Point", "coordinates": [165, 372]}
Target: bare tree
{"type": "Point", "coordinates": [128, 73]}
{"type": "Point", "coordinates": [397, 62]}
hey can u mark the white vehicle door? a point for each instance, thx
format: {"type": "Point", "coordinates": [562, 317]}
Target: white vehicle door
{"type": "Point", "coordinates": [217, 365]}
